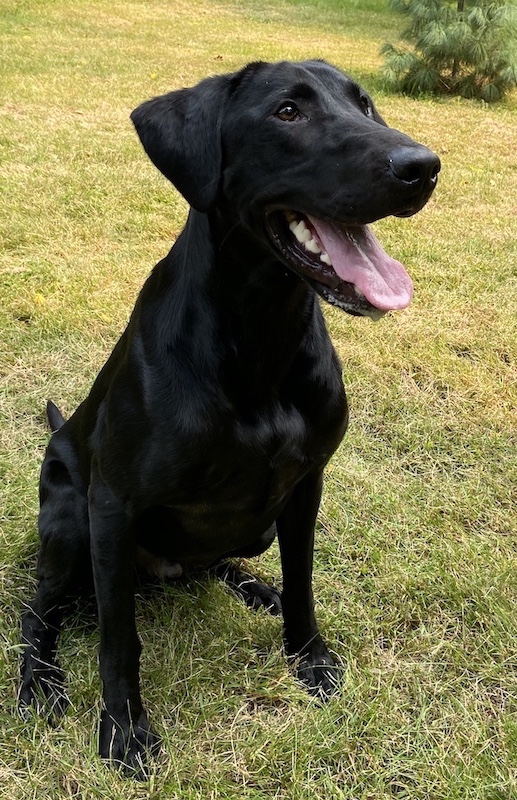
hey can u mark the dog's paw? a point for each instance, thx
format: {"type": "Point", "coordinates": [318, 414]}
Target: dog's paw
{"type": "Point", "coordinates": [252, 591]}
{"type": "Point", "coordinates": [259, 595]}
{"type": "Point", "coordinates": [126, 745]}
{"type": "Point", "coordinates": [317, 670]}
{"type": "Point", "coordinates": [42, 689]}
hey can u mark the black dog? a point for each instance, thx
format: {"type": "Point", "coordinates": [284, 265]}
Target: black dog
{"type": "Point", "coordinates": [206, 433]}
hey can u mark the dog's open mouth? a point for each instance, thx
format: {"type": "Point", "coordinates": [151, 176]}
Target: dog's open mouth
{"type": "Point", "coordinates": [345, 264]}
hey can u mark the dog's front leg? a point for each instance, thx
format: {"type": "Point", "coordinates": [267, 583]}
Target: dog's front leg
{"type": "Point", "coordinates": [303, 641]}
{"type": "Point", "coordinates": [124, 733]}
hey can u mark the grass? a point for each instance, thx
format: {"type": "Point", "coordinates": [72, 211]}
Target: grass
{"type": "Point", "coordinates": [415, 567]}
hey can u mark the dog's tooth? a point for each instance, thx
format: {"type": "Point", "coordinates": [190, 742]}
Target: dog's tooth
{"type": "Point", "coordinates": [358, 292]}
{"type": "Point", "coordinates": [304, 235]}
{"type": "Point", "coordinates": [300, 231]}
{"type": "Point", "coordinates": [312, 246]}
{"type": "Point", "coordinates": [291, 216]}
{"type": "Point", "coordinates": [326, 259]}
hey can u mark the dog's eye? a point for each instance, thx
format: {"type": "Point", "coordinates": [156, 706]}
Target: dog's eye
{"type": "Point", "coordinates": [366, 105]}
{"type": "Point", "coordinates": [287, 112]}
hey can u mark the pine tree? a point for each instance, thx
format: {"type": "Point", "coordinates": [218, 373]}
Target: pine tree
{"type": "Point", "coordinates": [465, 47]}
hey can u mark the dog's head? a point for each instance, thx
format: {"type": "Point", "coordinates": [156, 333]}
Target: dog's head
{"type": "Point", "coordinates": [301, 157]}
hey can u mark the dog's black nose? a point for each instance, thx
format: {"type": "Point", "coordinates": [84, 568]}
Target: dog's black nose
{"type": "Point", "coordinates": [418, 167]}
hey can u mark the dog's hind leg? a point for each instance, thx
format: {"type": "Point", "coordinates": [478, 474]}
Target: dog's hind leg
{"type": "Point", "coordinates": [63, 567]}
{"type": "Point", "coordinates": [254, 593]}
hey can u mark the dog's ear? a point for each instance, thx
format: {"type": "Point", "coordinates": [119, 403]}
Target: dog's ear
{"type": "Point", "coordinates": [181, 133]}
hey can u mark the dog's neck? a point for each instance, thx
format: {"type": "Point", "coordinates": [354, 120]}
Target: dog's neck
{"type": "Point", "coordinates": [254, 314]}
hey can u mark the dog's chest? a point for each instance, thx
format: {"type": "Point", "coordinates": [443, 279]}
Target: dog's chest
{"type": "Point", "coordinates": [214, 481]}
{"type": "Point", "coordinates": [246, 463]}
{"type": "Point", "coordinates": [231, 486]}
{"type": "Point", "coordinates": [278, 447]}
{"type": "Point", "coordinates": [254, 461]}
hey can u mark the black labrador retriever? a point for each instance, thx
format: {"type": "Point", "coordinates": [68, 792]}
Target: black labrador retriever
{"type": "Point", "coordinates": [206, 432]}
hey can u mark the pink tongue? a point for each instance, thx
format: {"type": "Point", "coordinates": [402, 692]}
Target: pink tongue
{"type": "Point", "coordinates": [358, 258]}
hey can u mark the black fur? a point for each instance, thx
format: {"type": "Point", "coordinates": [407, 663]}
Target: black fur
{"type": "Point", "coordinates": [206, 432]}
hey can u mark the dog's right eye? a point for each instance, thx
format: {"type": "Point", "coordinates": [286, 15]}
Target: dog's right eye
{"type": "Point", "coordinates": [366, 105]}
{"type": "Point", "coordinates": [287, 112]}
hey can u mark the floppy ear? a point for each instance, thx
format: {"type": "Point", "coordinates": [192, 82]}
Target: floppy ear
{"type": "Point", "coordinates": [181, 133]}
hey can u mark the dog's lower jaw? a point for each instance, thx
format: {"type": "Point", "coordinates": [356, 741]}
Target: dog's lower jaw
{"type": "Point", "coordinates": [375, 314]}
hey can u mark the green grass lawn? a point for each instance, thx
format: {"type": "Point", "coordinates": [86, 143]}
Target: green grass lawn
{"type": "Point", "coordinates": [415, 564]}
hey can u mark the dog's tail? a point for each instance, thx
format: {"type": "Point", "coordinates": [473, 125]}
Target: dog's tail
{"type": "Point", "coordinates": [55, 417]}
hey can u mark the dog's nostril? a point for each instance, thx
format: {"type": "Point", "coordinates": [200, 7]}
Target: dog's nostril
{"type": "Point", "coordinates": [418, 167]}
{"type": "Point", "coordinates": [410, 173]}
{"type": "Point", "coordinates": [435, 171]}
